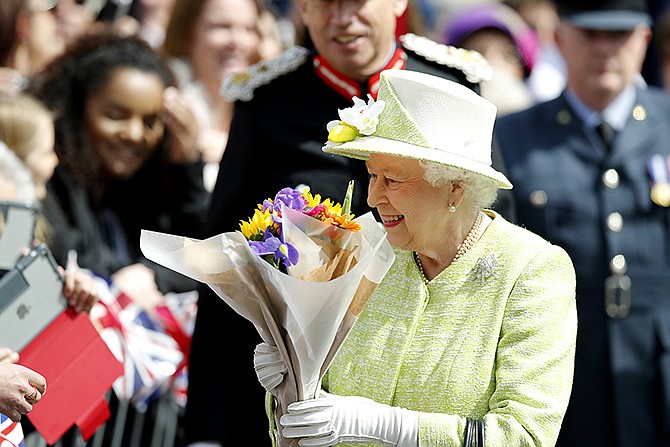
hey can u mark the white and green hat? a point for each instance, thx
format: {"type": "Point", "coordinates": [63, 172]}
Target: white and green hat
{"type": "Point", "coordinates": [422, 117]}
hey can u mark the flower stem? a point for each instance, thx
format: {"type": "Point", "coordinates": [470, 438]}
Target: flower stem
{"type": "Point", "coordinates": [346, 204]}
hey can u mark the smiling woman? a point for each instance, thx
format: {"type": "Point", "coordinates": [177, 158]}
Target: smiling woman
{"type": "Point", "coordinates": [205, 41]}
{"type": "Point", "coordinates": [127, 159]}
{"type": "Point", "coordinates": [469, 339]}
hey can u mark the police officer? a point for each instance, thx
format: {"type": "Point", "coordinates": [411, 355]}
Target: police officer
{"type": "Point", "coordinates": [281, 110]}
{"type": "Point", "coordinates": [590, 173]}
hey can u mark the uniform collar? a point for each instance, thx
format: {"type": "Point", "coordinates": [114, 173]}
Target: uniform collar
{"type": "Point", "coordinates": [349, 87]}
{"type": "Point", "coordinates": [616, 113]}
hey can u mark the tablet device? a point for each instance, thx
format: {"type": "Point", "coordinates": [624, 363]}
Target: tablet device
{"type": "Point", "coordinates": [17, 229]}
{"type": "Point", "coordinates": [31, 297]}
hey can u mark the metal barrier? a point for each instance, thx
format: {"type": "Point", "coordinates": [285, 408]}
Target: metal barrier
{"type": "Point", "coordinates": [160, 425]}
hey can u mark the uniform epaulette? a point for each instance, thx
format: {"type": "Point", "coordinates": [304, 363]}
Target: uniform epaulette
{"type": "Point", "coordinates": [241, 86]}
{"type": "Point", "coordinates": [473, 65]}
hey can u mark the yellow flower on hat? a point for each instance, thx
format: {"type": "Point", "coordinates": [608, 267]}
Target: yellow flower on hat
{"type": "Point", "coordinates": [361, 119]}
{"type": "Point", "coordinates": [342, 133]}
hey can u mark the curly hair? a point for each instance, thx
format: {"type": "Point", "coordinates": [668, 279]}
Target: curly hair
{"type": "Point", "coordinates": [481, 191]}
{"type": "Point", "coordinates": [86, 67]}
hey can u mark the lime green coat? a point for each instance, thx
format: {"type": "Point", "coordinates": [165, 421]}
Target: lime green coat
{"type": "Point", "coordinates": [499, 347]}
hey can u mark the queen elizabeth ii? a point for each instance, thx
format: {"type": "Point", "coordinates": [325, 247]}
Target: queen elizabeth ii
{"type": "Point", "coordinates": [470, 338]}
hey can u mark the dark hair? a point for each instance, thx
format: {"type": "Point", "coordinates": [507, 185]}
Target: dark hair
{"type": "Point", "coordinates": [9, 13]}
{"type": "Point", "coordinates": [85, 67]}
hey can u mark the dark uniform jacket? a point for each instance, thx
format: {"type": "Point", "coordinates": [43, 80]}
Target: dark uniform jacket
{"type": "Point", "coordinates": [597, 205]}
{"type": "Point", "coordinates": [275, 142]}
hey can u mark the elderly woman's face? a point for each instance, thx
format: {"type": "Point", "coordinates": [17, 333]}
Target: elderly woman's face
{"type": "Point", "coordinates": [411, 209]}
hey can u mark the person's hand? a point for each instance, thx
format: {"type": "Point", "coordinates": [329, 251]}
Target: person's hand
{"type": "Point", "coordinates": [183, 126]}
{"type": "Point", "coordinates": [335, 419]}
{"type": "Point", "coordinates": [139, 282]}
{"type": "Point", "coordinates": [80, 289]}
{"type": "Point", "coordinates": [20, 389]}
{"type": "Point", "coordinates": [269, 365]}
{"type": "Point", "coordinates": [212, 143]}
{"type": "Point", "coordinates": [8, 356]}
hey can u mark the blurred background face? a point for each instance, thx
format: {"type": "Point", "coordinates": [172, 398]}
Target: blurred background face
{"type": "Point", "coordinates": [124, 121]}
{"type": "Point", "coordinates": [42, 37]}
{"type": "Point", "coordinates": [499, 49]}
{"type": "Point", "coordinates": [225, 40]}
{"type": "Point", "coordinates": [354, 36]}
{"type": "Point", "coordinates": [601, 63]}
{"type": "Point", "coordinates": [75, 16]}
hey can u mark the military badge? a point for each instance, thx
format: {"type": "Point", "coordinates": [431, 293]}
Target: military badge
{"type": "Point", "coordinates": [658, 167]}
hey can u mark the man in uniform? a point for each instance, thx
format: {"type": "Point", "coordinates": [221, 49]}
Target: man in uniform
{"type": "Point", "coordinates": [279, 127]}
{"type": "Point", "coordinates": [590, 173]}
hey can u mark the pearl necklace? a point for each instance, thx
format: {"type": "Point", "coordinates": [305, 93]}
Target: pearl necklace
{"type": "Point", "coordinates": [467, 244]}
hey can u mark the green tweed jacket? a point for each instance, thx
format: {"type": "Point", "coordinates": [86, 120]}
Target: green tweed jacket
{"type": "Point", "coordinates": [492, 337]}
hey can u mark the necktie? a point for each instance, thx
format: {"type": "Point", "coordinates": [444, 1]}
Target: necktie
{"type": "Point", "coordinates": [606, 133]}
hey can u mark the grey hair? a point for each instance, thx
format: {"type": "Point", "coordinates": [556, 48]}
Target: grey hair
{"type": "Point", "coordinates": [480, 191]}
{"type": "Point", "coordinates": [13, 169]}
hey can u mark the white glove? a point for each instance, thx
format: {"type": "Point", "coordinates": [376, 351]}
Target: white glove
{"type": "Point", "coordinates": [269, 365]}
{"type": "Point", "coordinates": [339, 419]}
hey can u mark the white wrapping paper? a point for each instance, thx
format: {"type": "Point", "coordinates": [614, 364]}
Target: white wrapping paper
{"type": "Point", "coordinates": [306, 313]}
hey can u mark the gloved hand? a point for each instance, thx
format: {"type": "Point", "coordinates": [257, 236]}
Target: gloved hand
{"type": "Point", "coordinates": [269, 365]}
{"type": "Point", "coordinates": [339, 419]}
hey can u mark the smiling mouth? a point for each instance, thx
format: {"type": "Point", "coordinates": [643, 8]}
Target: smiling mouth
{"type": "Point", "coordinates": [124, 154]}
{"type": "Point", "coordinates": [390, 220]}
{"type": "Point", "coordinates": [345, 39]}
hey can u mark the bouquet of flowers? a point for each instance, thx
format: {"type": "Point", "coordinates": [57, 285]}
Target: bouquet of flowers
{"type": "Point", "coordinates": [301, 270]}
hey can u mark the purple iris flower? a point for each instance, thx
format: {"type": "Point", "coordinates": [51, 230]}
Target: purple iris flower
{"type": "Point", "coordinates": [281, 251]}
{"type": "Point", "coordinates": [290, 198]}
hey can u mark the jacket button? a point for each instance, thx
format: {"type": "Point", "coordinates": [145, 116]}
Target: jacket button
{"type": "Point", "coordinates": [611, 178]}
{"type": "Point", "coordinates": [538, 198]}
{"type": "Point", "coordinates": [615, 222]}
{"type": "Point", "coordinates": [618, 265]}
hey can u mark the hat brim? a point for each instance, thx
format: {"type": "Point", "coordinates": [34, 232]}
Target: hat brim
{"type": "Point", "coordinates": [609, 20]}
{"type": "Point", "coordinates": [362, 147]}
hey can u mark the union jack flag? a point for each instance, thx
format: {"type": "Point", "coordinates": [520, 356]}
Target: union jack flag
{"type": "Point", "coordinates": [177, 316]}
{"type": "Point", "coordinates": [150, 355]}
{"type": "Point", "coordinates": [11, 433]}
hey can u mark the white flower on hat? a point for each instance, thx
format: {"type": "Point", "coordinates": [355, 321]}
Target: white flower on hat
{"type": "Point", "coordinates": [361, 119]}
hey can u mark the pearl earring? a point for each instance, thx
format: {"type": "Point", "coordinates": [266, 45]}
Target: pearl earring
{"type": "Point", "coordinates": [452, 208]}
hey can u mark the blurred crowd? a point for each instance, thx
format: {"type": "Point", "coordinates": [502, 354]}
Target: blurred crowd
{"type": "Point", "coordinates": [114, 109]}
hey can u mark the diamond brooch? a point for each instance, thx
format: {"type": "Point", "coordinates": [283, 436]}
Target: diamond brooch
{"type": "Point", "coordinates": [486, 267]}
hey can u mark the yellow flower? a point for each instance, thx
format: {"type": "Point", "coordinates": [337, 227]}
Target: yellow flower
{"type": "Point", "coordinates": [342, 133]}
{"type": "Point", "coordinates": [257, 224]}
{"type": "Point", "coordinates": [312, 200]}
{"type": "Point", "coordinates": [333, 215]}
{"type": "Point", "coordinates": [332, 208]}
{"type": "Point", "coordinates": [349, 225]}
